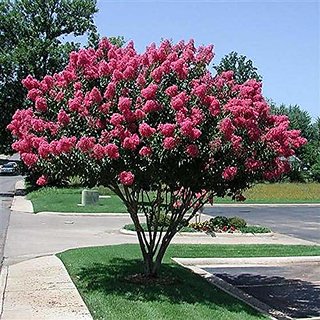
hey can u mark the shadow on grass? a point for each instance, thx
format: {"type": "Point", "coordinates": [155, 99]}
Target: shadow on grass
{"type": "Point", "coordinates": [185, 287]}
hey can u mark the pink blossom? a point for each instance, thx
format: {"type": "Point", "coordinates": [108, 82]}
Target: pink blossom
{"type": "Point", "coordinates": [112, 151]}
{"type": "Point", "coordinates": [117, 75]}
{"type": "Point", "coordinates": [177, 204]}
{"type": "Point", "coordinates": [157, 74]}
{"type": "Point", "coordinates": [63, 117]}
{"type": "Point", "coordinates": [105, 107]}
{"type": "Point", "coordinates": [149, 92]}
{"type": "Point", "coordinates": [150, 106]}
{"type": "Point", "coordinates": [132, 142]}
{"type": "Point", "coordinates": [38, 125]}
{"type": "Point", "coordinates": [65, 145]}
{"type": "Point", "coordinates": [197, 116]}
{"type": "Point", "coordinates": [129, 72]}
{"type": "Point", "coordinates": [145, 130]}
{"type": "Point", "coordinates": [141, 81]}
{"type": "Point", "coordinates": [44, 150]}
{"type": "Point", "coordinates": [59, 96]}
{"type": "Point", "coordinates": [110, 91]}
{"type": "Point", "coordinates": [98, 151]}
{"type": "Point", "coordinates": [29, 82]}
{"type": "Point", "coordinates": [86, 144]}
{"type": "Point", "coordinates": [200, 90]}
{"type": "Point", "coordinates": [75, 104]}
{"type": "Point", "coordinates": [252, 164]}
{"type": "Point", "coordinates": [172, 91]}
{"type": "Point", "coordinates": [103, 68]}
{"type": "Point", "coordinates": [226, 127]}
{"type": "Point", "coordinates": [139, 114]}
{"type": "Point", "coordinates": [116, 119]}
{"type": "Point", "coordinates": [214, 106]}
{"type": "Point", "coordinates": [42, 181]}
{"type": "Point", "coordinates": [30, 159]}
{"type": "Point", "coordinates": [47, 83]}
{"type": "Point", "coordinates": [124, 104]}
{"type": "Point", "coordinates": [180, 68]}
{"type": "Point", "coordinates": [77, 86]}
{"type": "Point", "coordinates": [229, 173]}
{"type": "Point", "coordinates": [145, 151]}
{"type": "Point", "coordinates": [33, 94]}
{"type": "Point", "coordinates": [236, 142]}
{"type": "Point", "coordinates": [95, 95]}
{"type": "Point", "coordinates": [126, 178]}
{"type": "Point", "coordinates": [177, 103]}
{"type": "Point", "coordinates": [167, 129]}
{"type": "Point", "coordinates": [192, 150]}
{"type": "Point", "coordinates": [188, 130]}
{"type": "Point", "coordinates": [169, 143]}
{"type": "Point", "coordinates": [41, 104]}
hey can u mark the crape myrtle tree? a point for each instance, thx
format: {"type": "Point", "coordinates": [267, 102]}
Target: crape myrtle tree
{"type": "Point", "coordinates": [156, 128]}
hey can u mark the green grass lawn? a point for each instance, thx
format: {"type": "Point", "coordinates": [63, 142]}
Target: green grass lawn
{"type": "Point", "coordinates": [100, 275]}
{"type": "Point", "coordinates": [67, 199]}
{"type": "Point", "coordinates": [281, 193]}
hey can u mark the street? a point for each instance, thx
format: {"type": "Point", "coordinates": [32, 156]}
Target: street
{"type": "Point", "coordinates": [7, 184]}
{"type": "Point", "coordinates": [298, 221]}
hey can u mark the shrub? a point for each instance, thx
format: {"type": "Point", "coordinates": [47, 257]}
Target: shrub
{"type": "Point", "coordinates": [237, 222]}
{"type": "Point", "coordinates": [220, 221]}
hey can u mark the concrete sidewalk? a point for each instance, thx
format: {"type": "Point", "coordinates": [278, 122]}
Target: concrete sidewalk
{"type": "Point", "coordinates": [41, 289]}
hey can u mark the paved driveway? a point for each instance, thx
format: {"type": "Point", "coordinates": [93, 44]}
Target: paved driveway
{"type": "Point", "coordinates": [298, 221]}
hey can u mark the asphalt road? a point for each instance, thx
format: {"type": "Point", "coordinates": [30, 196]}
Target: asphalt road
{"type": "Point", "coordinates": [7, 184]}
{"type": "Point", "coordinates": [298, 221]}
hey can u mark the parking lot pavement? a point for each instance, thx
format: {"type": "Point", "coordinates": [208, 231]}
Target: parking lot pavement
{"type": "Point", "coordinates": [301, 221]}
{"type": "Point", "coordinates": [291, 289]}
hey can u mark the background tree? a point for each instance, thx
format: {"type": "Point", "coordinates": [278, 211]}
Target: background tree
{"type": "Point", "coordinates": [156, 128]}
{"type": "Point", "coordinates": [31, 42]}
{"type": "Point", "coordinates": [241, 66]}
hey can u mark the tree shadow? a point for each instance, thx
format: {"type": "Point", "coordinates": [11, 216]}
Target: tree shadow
{"type": "Point", "coordinates": [294, 297]}
{"type": "Point", "coordinates": [184, 287]}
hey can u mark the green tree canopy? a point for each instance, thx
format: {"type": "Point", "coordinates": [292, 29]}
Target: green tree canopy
{"type": "Point", "coordinates": [31, 42]}
{"type": "Point", "coordinates": [241, 66]}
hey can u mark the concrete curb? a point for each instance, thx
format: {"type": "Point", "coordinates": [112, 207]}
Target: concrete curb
{"type": "Point", "coordinates": [204, 262]}
{"type": "Point", "coordinates": [21, 204]}
{"type": "Point", "coordinates": [3, 284]}
{"type": "Point", "coordinates": [203, 234]}
{"type": "Point", "coordinates": [87, 214]}
{"type": "Point", "coordinates": [181, 234]}
{"type": "Point", "coordinates": [245, 205]}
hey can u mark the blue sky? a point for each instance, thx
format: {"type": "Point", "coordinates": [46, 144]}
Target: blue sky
{"type": "Point", "coordinates": [281, 37]}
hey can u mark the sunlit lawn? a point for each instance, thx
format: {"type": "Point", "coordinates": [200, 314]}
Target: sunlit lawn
{"type": "Point", "coordinates": [67, 199]}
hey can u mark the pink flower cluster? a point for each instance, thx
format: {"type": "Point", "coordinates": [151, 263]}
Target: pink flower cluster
{"type": "Point", "coordinates": [116, 104]}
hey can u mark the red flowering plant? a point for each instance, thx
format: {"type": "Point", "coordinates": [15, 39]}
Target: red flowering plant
{"type": "Point", "coordinates": [157, 128]}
